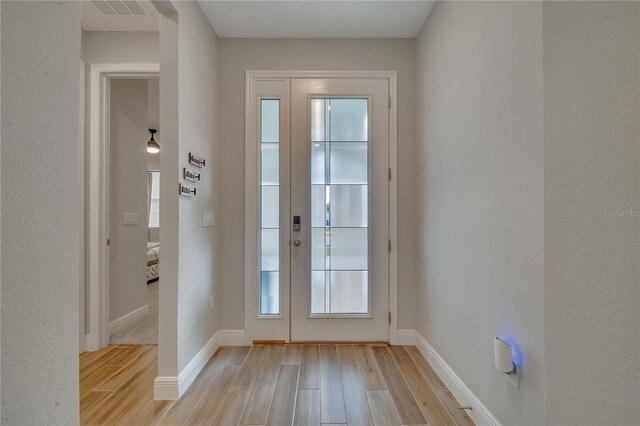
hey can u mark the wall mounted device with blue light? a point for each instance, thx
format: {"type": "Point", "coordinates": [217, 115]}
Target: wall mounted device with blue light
{"type": "Point", "coordinates": [503, 353]}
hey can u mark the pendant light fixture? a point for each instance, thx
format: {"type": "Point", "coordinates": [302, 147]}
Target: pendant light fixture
{"type": "Point", "coordinates": [152, 145]}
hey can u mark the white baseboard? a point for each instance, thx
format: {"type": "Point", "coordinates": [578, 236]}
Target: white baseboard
{"type": "Point", "coordinates": [480, 414]}
{"type": "Point", "coordinates": [128, 319]}
{"type": "Point", "coordinates": [90, 343]}
{"type": "Point", "coordinates": [231, 337]}
{"type": "Point", "coordinates": [165, 388]}
{"type": "Point", "coordinates": [172, 388]}
{"type": "Point", "coordinates": [406, 337]}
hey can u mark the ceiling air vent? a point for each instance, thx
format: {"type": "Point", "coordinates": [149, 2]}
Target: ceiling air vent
{"type": "Point", "coordinates": [120, 8]}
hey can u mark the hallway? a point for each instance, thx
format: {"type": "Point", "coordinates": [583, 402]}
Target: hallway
{"type": "Point", "coordinates": [277, 385]}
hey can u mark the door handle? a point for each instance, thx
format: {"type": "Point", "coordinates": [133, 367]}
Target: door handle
{"type": "Point", "coordinates": [297, 243]}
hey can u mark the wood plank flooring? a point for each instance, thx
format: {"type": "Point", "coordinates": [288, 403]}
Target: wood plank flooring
{"type": "Point", "coordinates": [271, 385]}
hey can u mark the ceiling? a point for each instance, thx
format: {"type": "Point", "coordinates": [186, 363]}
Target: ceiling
{"type": "Point", "coordinates": [274, 19]}
{"type": "Point", "coordinates": [119, 15]}
{"type": "Point", "coordinates": [317, 19]}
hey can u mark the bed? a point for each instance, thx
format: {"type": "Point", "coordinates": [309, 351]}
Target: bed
{"type": "Point", "coordinates": [153, 262]}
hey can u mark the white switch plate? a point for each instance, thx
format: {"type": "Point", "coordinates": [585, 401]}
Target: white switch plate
{"type": "Point", "coordinates": [211, 303]}
{"type": "Point", "coordinates": [208, 219]}
{"type": "Point", "coordinates": [131, 218]}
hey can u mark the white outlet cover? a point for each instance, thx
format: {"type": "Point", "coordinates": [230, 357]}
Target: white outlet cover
{"type": "Point", "coordinates": [514, 379]}
{"type": "Point", "coordinates": [130, 218]}
{"type": "Point", "coordinates": [208, 219]}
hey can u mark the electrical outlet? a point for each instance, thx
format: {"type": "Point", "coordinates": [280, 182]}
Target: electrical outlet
{"type": "Point", "coordinates": [208, 219]}
{"type": "Point", "coordinates": [211, 305]}
{"type": "Point", "coordinates": [514, 379]}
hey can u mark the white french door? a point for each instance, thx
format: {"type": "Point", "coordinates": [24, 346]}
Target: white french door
{"type": "Point", "coordinates": [321, 258]}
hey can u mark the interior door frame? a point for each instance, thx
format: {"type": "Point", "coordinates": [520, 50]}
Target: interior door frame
{"type": "Point", "coordinates": [97, 202]}
{"type": "Point", "coordinates": [251, 205]}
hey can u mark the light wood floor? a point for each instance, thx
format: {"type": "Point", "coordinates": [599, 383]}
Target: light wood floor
{"type": "Point", "coordinates": [271, 385]}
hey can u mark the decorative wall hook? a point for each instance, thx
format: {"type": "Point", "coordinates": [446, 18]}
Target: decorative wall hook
{"type": "Point", "coordinates": [186, 191]}
{"type": "Point", "coordinates": [196, 161]}
{"type": "Point", "coordinates": [190, 175]}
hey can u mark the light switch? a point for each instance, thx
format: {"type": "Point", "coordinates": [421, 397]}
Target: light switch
{"type": "Point", "coordinates": [208, 219]}
{"type": "Point", "coordinates": [131, 218]}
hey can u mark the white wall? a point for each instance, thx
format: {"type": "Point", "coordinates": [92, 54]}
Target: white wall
{"type": "Point", "coordinates": [238, 55]}
{"type": "Point", "coordinates": [168, 305]}
{"type": "Point", "coordinates": [197, 115]}
{"type": "Point", "coordinates": [128, 194]}
{"type": "Point", "coordinates": [479, 185]}
{"type": "Point", "coordinates": [40, 212]}
{"type": "Point", "coordinates": [591, 154]}
{"type": "Point", "coordinates": [188, 90]}
{"type": "Point", "coordinates": [119, 47]}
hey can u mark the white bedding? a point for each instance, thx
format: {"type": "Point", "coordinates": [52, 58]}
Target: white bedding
{"type": "Point", "coordinates": [153, 260]}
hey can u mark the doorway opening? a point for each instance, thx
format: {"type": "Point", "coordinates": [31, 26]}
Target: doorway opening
{"type": "Point", "coordinates": [122, 307]}
{"type": "Point", "coordinates": [134, 218]}
{"type": "Point", "coordinates": [320, 263]}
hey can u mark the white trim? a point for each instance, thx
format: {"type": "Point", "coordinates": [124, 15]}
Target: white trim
{"type": "Point", "coordinates": [405, 338]}
{"type": "Point", "coordinates": [480, 414]}
{"type": "Point", "coordinates": [393, 208]}
{"type": "Point", "coordinates": [231, 337]}
{"type": "Point", "coordinates": [97, 178]}
{"type": "Point", "coordinates": [251, 212]}
{"type": "Point", "coordinates": [128, 319]}
{"type": "Point", "coordinates": [250, 209]}
{"type": "Point", "coordinates": [172, 388]}
{"type": "Point", "coordinates": [89, 343]}
{"type": "Point", "coordinates": [82, 194]}
{"type": "Point", "coordinates": [165, 388]}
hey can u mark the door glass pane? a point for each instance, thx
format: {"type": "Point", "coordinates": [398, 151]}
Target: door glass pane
{"type": "Point", "coordinates": [270, 207]}
{"type": "Point", "coordinates": [318, 166]}
{"type": "Point", "coordinates": [319, 212]}
{"type": "Point", "coordinates": [270, 128]}
{"type": "Point", "coordinates": [339, 206]}
{"type": "Point", "coordinates": [348, 120]}
{"type": "Point", "coordinates": [317, 120]}
{"type": "Point", "coordinates": [318, 291]}
{"type": "Point", "coordinates": [270, 245]}
{"type": "Point", "coordinates": [269, 292]}
{"type": "Point", "coordinates": [348, 162]}
{"type": "Point", "coordinates": [270, 164]}
{"type": "Point", "coordinates": [349, 292]}
{"type": "Point", "coordinates": [350, 207]}
{"type": "Point", "coordinates": [319, 256]}
{"type": "Point", "coordinates": [348, 249]}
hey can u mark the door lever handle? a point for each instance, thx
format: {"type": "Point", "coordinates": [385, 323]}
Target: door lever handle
{"type": "Point", "coordinates": [297, 243]}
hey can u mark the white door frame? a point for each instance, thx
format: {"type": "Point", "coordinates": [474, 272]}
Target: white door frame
{"type": "Point", "coordinates": [251, 209]}
{"type": "Point", "coordinates": [97, 178]}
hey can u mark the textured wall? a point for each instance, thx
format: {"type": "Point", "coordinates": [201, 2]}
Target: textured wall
{"type": "Point", "coordinates": [40, 212]}
{"type": "Point", "coordinates": [592, 151]}
{"type": "Point", "coordinates": [238, 55]}
{"type": "Point", "coordinates": [479, 189]}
